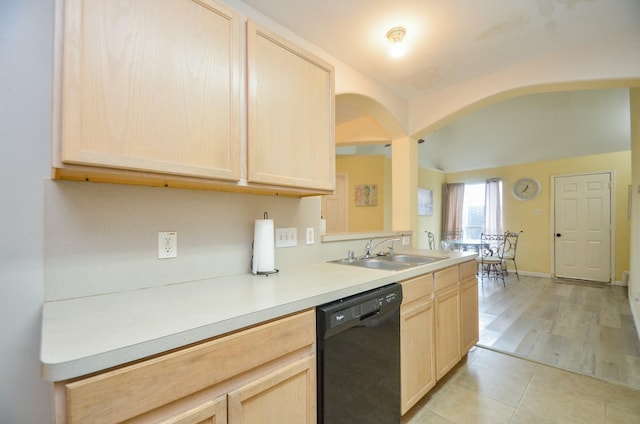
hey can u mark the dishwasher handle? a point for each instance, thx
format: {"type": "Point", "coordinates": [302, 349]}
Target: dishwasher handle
{"type": "Point", "coordinates": [370, 315]}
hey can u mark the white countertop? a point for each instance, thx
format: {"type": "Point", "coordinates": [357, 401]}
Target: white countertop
{"type": "Point", "coordinates": [85, 335]}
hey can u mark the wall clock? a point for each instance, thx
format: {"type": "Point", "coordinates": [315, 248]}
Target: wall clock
{"type": "Point", "coordinates": [526, 188]}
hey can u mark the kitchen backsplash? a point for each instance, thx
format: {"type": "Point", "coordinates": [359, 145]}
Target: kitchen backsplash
{"type": "Point", "coordinates": [102, 238]}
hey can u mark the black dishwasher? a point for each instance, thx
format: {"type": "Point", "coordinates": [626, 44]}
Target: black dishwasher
{"type": "Point", "coordinates": [358, 340]}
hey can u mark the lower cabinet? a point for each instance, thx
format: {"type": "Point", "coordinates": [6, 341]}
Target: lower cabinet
{"type": "Point", "coordinates": [447, 320]}
{"type": "Point", "coordinates": [417, 366]}
{"type": "Point", "coordinates": [438, 326]}
{"type": "Point", "coordinates": [469, 325]}
{"type": "Point", "coordinates": [264, 374]}
{"type": "Point", "coordinates": [283, 396]}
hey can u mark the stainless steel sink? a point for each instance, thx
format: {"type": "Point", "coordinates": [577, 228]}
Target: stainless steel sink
{"type": "Point", "coordinates": [389, 262]}
{"type": "Point", "coordinates": [420, 260]}
{"type": "Point", "coordinates": [374, 263]}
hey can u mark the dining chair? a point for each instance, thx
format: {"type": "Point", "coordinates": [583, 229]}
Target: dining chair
{"type": "Point", "coordinates": [432, 240]}
{"type": "Point", "coordinates": [510, 254]}
{"type": "Point", "coordinates": [490, 258]}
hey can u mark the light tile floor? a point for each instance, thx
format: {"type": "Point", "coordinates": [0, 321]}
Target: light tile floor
{"type": "Point", "coordinates": [549, 322]}
{"type": "Point", "coordinates": [493, 388]}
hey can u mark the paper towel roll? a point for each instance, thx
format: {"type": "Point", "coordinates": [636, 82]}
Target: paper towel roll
{"type": "Point", "coordinates": [263, 247]}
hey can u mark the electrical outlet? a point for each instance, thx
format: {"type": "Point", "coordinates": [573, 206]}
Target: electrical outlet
{"type": "Point", "coordinates": [406, 240]}
{"type": "Point", "coordinates": [286, 237]}
{"type": "Point", "coordinates": [167, 244]}
{"type": "Point", "coordinates": [310, 235]}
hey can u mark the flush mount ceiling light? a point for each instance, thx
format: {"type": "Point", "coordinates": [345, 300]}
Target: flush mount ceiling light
{"type": "Point", "coordinates": [396, 37]}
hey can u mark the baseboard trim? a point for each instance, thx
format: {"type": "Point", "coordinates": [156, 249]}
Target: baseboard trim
{"type": "Point", "coordinates": [531, 274]}
{"type": "Point", "coordinates": [549, 275]}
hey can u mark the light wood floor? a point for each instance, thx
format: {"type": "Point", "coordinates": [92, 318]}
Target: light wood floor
{"type": "Point", "coordinates": [582, 329]}
{"type": "Point", "coordinates": [589, 330]}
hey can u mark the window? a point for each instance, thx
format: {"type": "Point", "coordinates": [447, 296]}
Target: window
{"type": "Point", "coordinates": [482, 209]}
{"type": "Point", "coordinates": [473, 208]}
{"type": "Point", "coordinates": [473, 211]}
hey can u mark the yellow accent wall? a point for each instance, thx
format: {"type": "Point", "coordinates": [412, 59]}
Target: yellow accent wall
{"type": "Point", "coordinates": [535, 246]}
{"type": "Point", "coordinates": [367, 169]}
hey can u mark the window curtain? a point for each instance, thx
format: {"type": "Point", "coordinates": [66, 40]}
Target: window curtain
{"type": "Point", "coordinates": [493, 206]}
{"type": "Point", "coordinates": [453, 196]}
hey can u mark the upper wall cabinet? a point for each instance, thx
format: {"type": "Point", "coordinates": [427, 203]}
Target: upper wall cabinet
{"type": "Point", "coordinates": [152, 92]}
{"type": "Point", "coordinates": [152, 86]}
{"type": "Point", "coordinates": [291, 132]}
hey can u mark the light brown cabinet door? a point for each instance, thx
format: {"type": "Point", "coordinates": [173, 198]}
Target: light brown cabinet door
{"type": "Point", "coordinates": [291, 129]}
{"type": "Point", "coordinates": [152, 85]}
{"type": "Point", "coordinates": [287, 395]}
{"type": "Point", "coordinates": [470, 331]}
{"type": "Point", "coordinates": [447, 330]}
{"type": "Point", "coordinates": [417, 364]}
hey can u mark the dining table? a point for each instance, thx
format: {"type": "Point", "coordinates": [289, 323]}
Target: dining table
{"type": "Point", "coordinates": [467, 245]}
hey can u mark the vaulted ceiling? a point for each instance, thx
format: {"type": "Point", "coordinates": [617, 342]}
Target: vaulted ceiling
{"type": "Point", "coordinates": [452, 41]}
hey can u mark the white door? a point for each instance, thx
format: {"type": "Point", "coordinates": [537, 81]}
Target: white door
{"type": "Point", "coordinates": [335, 207]}
{"type": "Point", "coordinates": [582, 219]}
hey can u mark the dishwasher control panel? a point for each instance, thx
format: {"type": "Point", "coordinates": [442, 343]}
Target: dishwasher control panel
{"type": "Point", "coordinates": [355, 308]}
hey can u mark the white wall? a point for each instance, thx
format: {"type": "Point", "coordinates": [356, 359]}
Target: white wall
{"type": "Point", "coordinates": [634, 280]}
{"type": "Point", "coordinates": [26, 30]}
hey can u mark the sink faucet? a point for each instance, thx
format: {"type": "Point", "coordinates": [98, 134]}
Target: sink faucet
{"type": "Point", "coordinates": [369, 249]}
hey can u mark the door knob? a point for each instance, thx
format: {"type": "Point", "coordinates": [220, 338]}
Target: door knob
{"type": "Point", "coordinates": [558, 235]}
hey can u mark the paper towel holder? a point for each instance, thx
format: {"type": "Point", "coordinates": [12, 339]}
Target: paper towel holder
{"type": "Point", "coordinates": [265, 273]}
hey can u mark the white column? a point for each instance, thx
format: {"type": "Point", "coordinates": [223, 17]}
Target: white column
{"type": "Point", "coordinates": [404, 159]}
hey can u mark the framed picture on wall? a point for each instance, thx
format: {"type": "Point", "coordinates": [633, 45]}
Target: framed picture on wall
{"type": "Point", "coordinates": [425, 202]}
{"type": "Point", "coordinates": [366, 195]}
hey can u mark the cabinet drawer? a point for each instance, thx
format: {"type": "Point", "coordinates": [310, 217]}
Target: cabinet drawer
{"type": "Point", "coordinates": [468, 270]}
{"type": "Point", "coordinates": [445, 278]}
{"type": "Point", "coordinates": [126, 392]}
{"type": "Point", "coordinates": [417, 287]}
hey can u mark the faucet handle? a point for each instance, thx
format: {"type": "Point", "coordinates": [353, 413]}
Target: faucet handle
{"type": "Point", "coordinates": [367, 248]}
{"type": "Point", "coordinates": [391, 247]}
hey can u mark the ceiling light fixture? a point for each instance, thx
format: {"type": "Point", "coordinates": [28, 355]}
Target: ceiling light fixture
{"type": "Point", "coordinates": [396, 37]}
